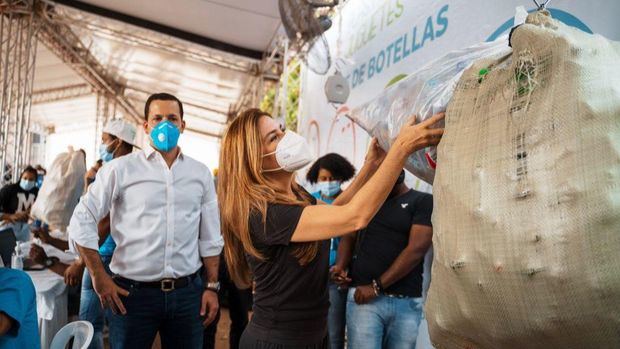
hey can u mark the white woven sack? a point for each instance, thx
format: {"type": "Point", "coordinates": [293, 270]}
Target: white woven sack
{"type": "Point", "coordinates": [61, 190]}
{"type": "Point", "coordinates": [527, 198]}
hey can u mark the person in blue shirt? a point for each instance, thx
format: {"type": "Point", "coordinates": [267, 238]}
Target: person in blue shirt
{"type": "Point", "coordinates": [328, 173]}
{"type": "Point", "coordinates": [18, 311]}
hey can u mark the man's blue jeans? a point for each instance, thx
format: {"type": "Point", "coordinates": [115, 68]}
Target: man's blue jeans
{"type": "Point", "coordinates": [385, 322]}
{"type": "Point", "coordinates": [90, 306]}
{"type": "Point", "coordinates": [337, 316]}
{"type": "Point", "coordinates": [175, 314]}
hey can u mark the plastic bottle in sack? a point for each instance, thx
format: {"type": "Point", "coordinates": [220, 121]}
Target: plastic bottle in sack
{"type": "Point", "coordinates": [431, 152]}
{"type": "Point", "coordinates": [16, 259]}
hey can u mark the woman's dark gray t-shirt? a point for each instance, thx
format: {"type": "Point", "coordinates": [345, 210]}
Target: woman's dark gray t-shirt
{"type": "Point", "coordinates": [290, 299]}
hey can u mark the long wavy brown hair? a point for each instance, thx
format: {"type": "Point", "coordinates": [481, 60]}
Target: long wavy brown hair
{"type": "Point", "coordinates": [243, 190]}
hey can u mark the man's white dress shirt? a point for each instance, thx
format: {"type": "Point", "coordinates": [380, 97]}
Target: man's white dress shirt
{"type": "Point", "coordinates": [162, 219]}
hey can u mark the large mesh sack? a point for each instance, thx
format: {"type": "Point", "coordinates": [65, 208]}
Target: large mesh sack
{"type": "Point", "coordinates": [61, 190]}
{"type": "Point", "coordinates": [423, 93]}
{"type": "Point", "coordinates": [527, 198]}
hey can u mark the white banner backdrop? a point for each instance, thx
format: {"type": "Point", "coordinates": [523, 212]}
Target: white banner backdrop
{"type": "Point", "coordinates": [376, 41]}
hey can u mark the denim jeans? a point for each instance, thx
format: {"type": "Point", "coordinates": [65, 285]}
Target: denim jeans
{"type": "Point", "coordinates": [385, 322]}
{"type": "Point", "coordinates": [175, 314]}
{"type": "Point", "coordinates": [90, 307]}
{"type": "Point", "coordinates": [337, 316]}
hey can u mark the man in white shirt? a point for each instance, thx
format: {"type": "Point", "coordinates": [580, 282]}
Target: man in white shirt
{"type": "Point", "coordinates": [164, 218]}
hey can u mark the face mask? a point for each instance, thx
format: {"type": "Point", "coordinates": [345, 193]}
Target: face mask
{"type": "Point", "coordinates": [104, 154]}
{"type": "Point", "coordinates": [165, 136]}
{"type": "Point", "coordinates": [292, 153]}
{"type": "Point", "coordinates": [39, 180]}
{"type": "Point", "coordinates": [26, 184]}
{"type": "Point", "coordinates": [329, 189]}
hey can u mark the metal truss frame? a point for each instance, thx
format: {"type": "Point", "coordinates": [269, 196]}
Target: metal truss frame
{"type": "Point", "coordinates": [24, 23]}
{"type": "Point", "coordinates": [62, 93]}
{"type": "Point", "coordinates": [18, 48]}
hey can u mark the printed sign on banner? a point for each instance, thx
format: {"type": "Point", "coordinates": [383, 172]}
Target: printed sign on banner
{"type": "Point", "coordinates": [375, 41]}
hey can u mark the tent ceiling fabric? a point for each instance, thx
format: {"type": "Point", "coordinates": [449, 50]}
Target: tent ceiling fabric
{"type": "Point", "coordinates": [51, 72]}
{"type": "Point", "coordinates": [208, 81]}
{"type": "Point", "coordinates": [67, 114]}
{"type": "Point", "coordinates": [248, 24]}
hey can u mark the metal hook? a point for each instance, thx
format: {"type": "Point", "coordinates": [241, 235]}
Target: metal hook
{"type": "Point", "coordinates": [542, 5]}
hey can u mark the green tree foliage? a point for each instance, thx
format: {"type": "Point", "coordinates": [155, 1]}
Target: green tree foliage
{"type": "Point", "coordinates": [291, 98]}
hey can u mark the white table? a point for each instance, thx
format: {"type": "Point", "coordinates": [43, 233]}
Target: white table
{"type": "Point", "coordinates": [51, 304]}
{"type": "Point", "coordinates": [51, 292]}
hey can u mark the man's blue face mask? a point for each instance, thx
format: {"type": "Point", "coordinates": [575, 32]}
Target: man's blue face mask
{"type": "Point", "coordinates": [165, 136]}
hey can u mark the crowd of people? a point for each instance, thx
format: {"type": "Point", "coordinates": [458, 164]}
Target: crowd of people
{"type": "Point", "coordinates": [160, 242]}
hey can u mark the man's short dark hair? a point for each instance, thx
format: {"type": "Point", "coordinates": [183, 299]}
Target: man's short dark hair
{"type": "Point", "coordinates": [337, 165]}
{"type": "Point", "coordinates": [30, 169]}
{"type": "Point", "coordinates": [162, 96]}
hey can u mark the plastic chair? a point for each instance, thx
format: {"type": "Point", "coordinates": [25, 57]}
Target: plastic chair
{"type": "Point", "coordinates": [81, 331]}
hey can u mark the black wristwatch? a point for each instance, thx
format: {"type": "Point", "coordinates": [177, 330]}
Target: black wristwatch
{"type": "Point", "coordinates": [213, 286]}
{"type": "Point", "coordinates": [50, 261]}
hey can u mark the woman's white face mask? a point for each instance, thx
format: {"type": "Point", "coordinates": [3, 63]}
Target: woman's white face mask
{"type": "Point", "coordinates": [292, 153]}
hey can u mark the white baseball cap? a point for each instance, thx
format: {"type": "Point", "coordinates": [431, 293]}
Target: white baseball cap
{"type": "Point", "coordinates": [121, 129]}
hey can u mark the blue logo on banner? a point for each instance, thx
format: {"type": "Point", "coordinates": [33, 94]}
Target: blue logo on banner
{"type": "Point", "coordinates": [560, 15]}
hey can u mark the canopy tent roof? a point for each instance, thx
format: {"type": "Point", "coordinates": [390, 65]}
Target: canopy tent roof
{"type": "Point", "coordinates": [245, 27]}
{"type": "Point", "coordinates": [202, 51]}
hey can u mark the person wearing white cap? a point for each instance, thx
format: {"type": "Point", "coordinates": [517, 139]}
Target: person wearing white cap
{"type": "Point", "coordinates": [117, 139]}
{"type": "Point", "coordinates": [117, 136]}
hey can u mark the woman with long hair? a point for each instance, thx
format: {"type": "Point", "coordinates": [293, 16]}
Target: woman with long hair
{"type": "Point", "coordinates": [276, 235]}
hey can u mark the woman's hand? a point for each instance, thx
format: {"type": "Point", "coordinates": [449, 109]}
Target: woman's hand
{"type": "Point", "coordinates": [414, 136]}
{"type": "Point", "coordinates": [375, 154]}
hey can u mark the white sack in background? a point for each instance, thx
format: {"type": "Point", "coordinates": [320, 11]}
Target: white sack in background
{"type": "Point", "coordinates": [61, 190]}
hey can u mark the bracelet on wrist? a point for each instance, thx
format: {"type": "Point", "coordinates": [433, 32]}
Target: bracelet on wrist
{"type": "Point", "coordinates": [376, 285]}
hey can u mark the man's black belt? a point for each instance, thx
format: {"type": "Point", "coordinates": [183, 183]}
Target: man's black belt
{"type": "Point", "coordinates": [166, 285]}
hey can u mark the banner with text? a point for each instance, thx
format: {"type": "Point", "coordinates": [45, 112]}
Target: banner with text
{"type": "Point", "coordinates": [376, 41]}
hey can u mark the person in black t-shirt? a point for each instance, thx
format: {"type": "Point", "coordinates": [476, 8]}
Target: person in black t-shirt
{"type": "Point", "coordinates": [384, 306]}
{"type": "Point", "coordinates": [16, 199]}
{"type": "Point", "coordinates": [275, 233]}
